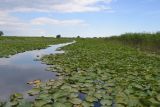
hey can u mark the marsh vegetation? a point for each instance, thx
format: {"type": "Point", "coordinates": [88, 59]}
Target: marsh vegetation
{"type": "Point", "coordinates": [149, 42]}
{"type": "Point", "coordinates": [14, 45]}
{"type": "Point", "coordinates": [100, 72]}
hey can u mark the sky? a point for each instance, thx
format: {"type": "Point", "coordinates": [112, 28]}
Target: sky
{"type": "Point", "coordinates": [86, 18]}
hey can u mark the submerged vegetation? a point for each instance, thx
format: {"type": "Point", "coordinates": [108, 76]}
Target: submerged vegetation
{"type": "Point", "coordinates": [149, 42]}
{"type": "Point", "coordinates": [97, 73]}
{"type": "Point", "coordinates": [14, 45]}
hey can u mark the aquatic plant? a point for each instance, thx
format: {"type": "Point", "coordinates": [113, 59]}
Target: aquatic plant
{"type": "Point", "coordinates": [109, 73]}
{"type": "Point", "coordinates": [149, 42]}
{"type": "Point", "coordinates": [93, 72]}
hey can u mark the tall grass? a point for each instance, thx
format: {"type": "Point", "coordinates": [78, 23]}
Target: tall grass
{"type": "Point", "coordinates": [144, 41]}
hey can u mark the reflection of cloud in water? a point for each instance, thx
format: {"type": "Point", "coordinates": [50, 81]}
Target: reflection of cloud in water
{"type": "Point", "coordinates": [21, 68]}
{"type": "Point", "coordinates": [42, 53]}
{"type": "Point", "coordinates": [4, 61]}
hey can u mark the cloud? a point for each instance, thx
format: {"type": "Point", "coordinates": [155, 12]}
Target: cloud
{"type": "Point", "coordinates": [51, 21]}
{"type": "Point", "coordinates": [54, 5]}
{"type": "Point", "coordinates": [14, 26]}
{"type": "Point", "coordinates": [8, 22]}
{"type": "Point", "coordinates": [39, 25]}
{"type": "Point", "coordinates": [82, 6]}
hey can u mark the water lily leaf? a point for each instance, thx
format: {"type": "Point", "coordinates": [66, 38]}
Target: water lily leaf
{"type": "Point", "coordinates": [59, 94]}
{"type": "Point", "coordinates": [75, 101]}
{"type": "Point", "coordinates": [106, 102]}
{"type": "Point", "coordinates": [58, 104]}
{"type": "Point", "coordinates": [14, 103]}
{"type": "Point", "coordinates": [18, 95]}
{"type": "Point", "coordinates": [138, 86]}
{"type": "Point", "coordinates": [73, 95]}
{"type": "Point", "coordinates": [40, 103]}
{"type": "Point", "coordinates": [153, 101]}
{"type": "Point", "coordinates": [98, 95]}
{"type": "Point", "coordinates": [62, 100]}
{"type": "Point", "coordinates": [133, 101]}
{"type": "Point", "coordinates": [119, 105]}
{"type": "Point", "coordinates": [47, 105]}
{"type": "Point", "coordinates": [110, 84]}
{"type": "Point", "coordinates": [43, 96]}
{"type": "Point", "coordinates": [66, 87]}
{"type": "Point", "coordinates": [107, 97]}
{"type": "Point", "coordinates": [86, 104]}
{"type": "Point", "coordinates": [158, 97]}
{"type": "Point", "coordinates": [24, 104]}
{"type": "Point", "coordinates": [34, 91]}
{"type": "Point", "coordinates": [90, 98]}
{"type": "Point", "coordinates": [68, 104]}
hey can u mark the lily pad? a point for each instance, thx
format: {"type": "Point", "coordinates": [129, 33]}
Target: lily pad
{"type": "Point", "coordinates": [58, 104]}
{"type": "Point", "coordinates": [106, 102]}
{"type": "Point", "coordinates": [90, 98]}
{"type": "Point", "coordinates": [34, 91]}
{"type": "Point", "coordinates": [158, 97]}
{"type": "Point", "coordinates": [75, 101]}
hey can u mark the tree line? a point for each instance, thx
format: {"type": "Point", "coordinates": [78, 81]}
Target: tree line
{"type": "Point", "coordinates": [1, 33]}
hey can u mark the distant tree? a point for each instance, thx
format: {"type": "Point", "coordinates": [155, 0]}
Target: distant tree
{"type": "Point", "coordinates": [58, 36]}
{"type": "Point", "coordinates": [1, 33]}
{"type": "Point", "coordinates": [78, 36]}
{"type": "Point", "coordinates": [158, 32]}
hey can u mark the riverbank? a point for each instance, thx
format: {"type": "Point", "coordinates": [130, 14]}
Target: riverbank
{"type": "Point", "coordinates": [14, 45]}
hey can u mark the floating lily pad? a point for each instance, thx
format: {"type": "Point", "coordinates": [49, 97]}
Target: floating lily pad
{"type": "Point", "coordinates": [106, 102]}
{"type": "Point", "coordinates": [34, 91]}
{"type": "Point", "coordinates": [75, 101]}
{"type": "Point", "coordinates": [90, 98]}
{"type": "Point", "coordinates": [158, 97]}
{"type": "Point", "coordinates": [58, 104]}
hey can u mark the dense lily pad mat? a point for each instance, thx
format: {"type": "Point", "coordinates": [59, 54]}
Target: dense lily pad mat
{"type": "Point", "coordinates": [114, 76]}
{"type": "Point", "coordinates": [14, 45]}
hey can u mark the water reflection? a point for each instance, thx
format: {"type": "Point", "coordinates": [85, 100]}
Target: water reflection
{"type": "Point", "coordinates": [17, 70]}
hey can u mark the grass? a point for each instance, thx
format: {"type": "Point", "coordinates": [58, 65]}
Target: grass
{"type": "Point", "coordinates": [14, 45]}
{"type": "Point", "coordinates": [149, 42]}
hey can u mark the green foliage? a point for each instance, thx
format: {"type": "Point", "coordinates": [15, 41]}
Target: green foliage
{"type": "Point", "coordinates": [1, 33]}
{"type": "Point", "coordinates": [144, 41]}
{"type": "Point", "coordinates": [14, 45]}
{"type": "Point", "coordinates": [110, 73]}
{"type": "Point", "coordinates": [105, 72]}
{"type": "Point", "coordinates": [58, 36]}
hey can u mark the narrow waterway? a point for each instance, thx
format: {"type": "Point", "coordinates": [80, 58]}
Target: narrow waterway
{"type": "Point", "coordinates": [17, 70]}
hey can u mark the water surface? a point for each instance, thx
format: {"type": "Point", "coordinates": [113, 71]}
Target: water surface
{"type": "Point", "coordinates": [17, 70]}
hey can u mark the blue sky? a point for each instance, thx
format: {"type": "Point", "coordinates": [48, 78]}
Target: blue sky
{"type": "Point", "coordinates": [87, 18]}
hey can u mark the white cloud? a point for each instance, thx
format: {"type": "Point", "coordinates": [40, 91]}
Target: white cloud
{"type": "Point", "coordinates": [54, 5]}
{"type": "Point", "coordinates": [11, 25]}
{"type": "Point", "coordinates": [81, 6]}
{"type": "Point", "coordinates": [15, 26]}
{"type": "Point", "coordinates": [50, 21]}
